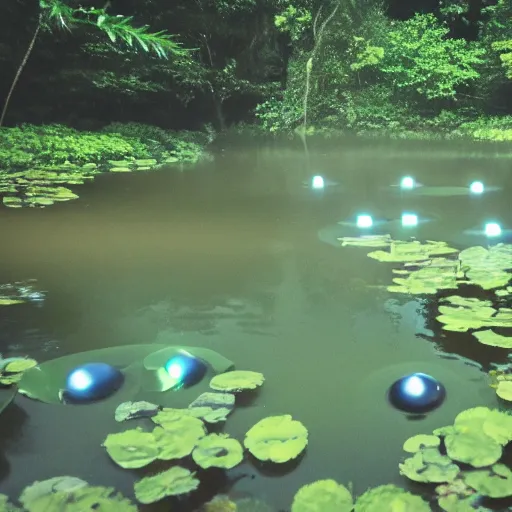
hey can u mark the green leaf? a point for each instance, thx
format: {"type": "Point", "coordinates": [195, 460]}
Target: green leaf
{"type": "Point", "coordinates": [173, 482]}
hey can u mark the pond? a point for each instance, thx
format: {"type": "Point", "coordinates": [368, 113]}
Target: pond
{"type": "Point", "coordinates": [240, 255]}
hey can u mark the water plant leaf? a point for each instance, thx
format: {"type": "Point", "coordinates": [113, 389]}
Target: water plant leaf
{"type": "Point", "coordinates": [504, 390]}
{"type": "Point", "coordinates": [495, 482]}
{"type": "Point", "coordinates": [220, 503]}
{"type": "Point", "coordinates": [219, 451]}
{"type": "Point", "coordinates": [132, 448]}
{"type": "Point", "coordinates": [132, 410]}
{"type": "Point", "coordinates": [400, 251]}
{"type": "Point", "coordinates": [472, 314]}
{"type": "Point", "coordinates": [212, 407]}
{"type": "Point", "coordinates": [489, 337]}
{"type": "Point", "coordinates": [176, 439]}
{"type": "Point", "coordinates": [454, 503]}
{"type": "Point", "coordinates": [173, 482]}
{"type": "Point", "coordinates": [390, 498]}
{"type": "Point", "coordinates": [6, 506]}
{"type": "Point", "coordinates": [19, 365]}
{"type": "Point", "coordinates": [277, 439]}
{"type": "Point", "coordinates": [52, 485]}
{"type": "Point", "coordinates": [474, 448]}
{"type": "Point", "coordinates": [491, 422]}
{"type": "Point", "coordinates": [428, 279]}
{"type": "Point", "coordinates": [416, 443]}
{"type": "Point", "coordinates": [237, 380]}
{"type": "Point", "coordinates": [428, 465]}
{"type": "Point", "coordinates": [444, 431]}
{"type": "Point", "coordinates": [101, 499]}
{"type": "Point", "coordinates": [323, 496]}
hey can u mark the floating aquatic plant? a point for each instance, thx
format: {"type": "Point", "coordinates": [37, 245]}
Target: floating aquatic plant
{"type": "Point", "coordinates": [132, 410]}
{"type": "Point", "coordinates": [390, 498]}
{"type": "Point", "coordinates": [20, 292]}
{"type": "Point", "coordinates": [219, 451]}
{"type": "Point", "coordinates": [323, 496]}
{"type": "Point", "coordinates": [47, 487]}
{"type": "Point", "coordinates": [495, 482]}
{"type": "Point", "coordinates": [400, 251]}
{"type": "Point", "coordinates": [237, 380]}
{"type": "Point", "coordinates": [428, 465]}
{"type": "Point", "coordinates": [132, 448]}
{"type": "Point", "coordinates": [277, 439]}
{"type": "Point", "coordinates": [173, 482]}
{"type": "Point", "coordinates": [416, 443]}
{"type": "Point", "coordinates": [12, 369]}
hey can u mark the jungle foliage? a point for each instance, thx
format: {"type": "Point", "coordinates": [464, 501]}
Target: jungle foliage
{"type": "Point", "coordinates": [328, 64]}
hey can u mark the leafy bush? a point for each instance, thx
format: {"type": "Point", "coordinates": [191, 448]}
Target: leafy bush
{"type": "Point", "coordinates": [488, 128]}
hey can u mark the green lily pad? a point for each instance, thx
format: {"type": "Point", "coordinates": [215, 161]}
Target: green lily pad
{"type": "Point", "coordinates": [173, 482]}
{"type": "Point", "coordinates": [219, 451]}
{"type": "Point", "coordinates": [176, 439]}
{"type": "Point", "coordinates": [323, 496]}
{"type": "Point", "coordinates": [5, 301]}
{"type": "Point", "coordinates": [145, 163]}
{"type": "Point", "coordinates": [87, 498]}
{"type": "Point", "coordinates": [491, 422]}
{"type": "Point", "coordinates": [237, 380]}
{"type": "Point", "coordinates": [277, 439]}
{"type": "Point", "coordinates": [6, 506]}
{"type": "Point", "coordinates": [132, 448]}
{"type": "Point", "coordinates": [390, 498]}
{"type": "Point", "coordinates": [495, 482]}
{"type": "Point", "coordinates": [454, 503]}
{"type": "Point", "coordinates": [489, 337]}
{"type": "Point", "coordinates": [120, 163]}
{"type": "Point", "coordinates": [428, 465]}
{"type": "Point", "coordinates": [474, 448]}
{"type": "Point", "coordinates": [416, 443]}
{"type": "Point", "coordinates": [19, 365]}
{"type": "Point", "coordinates": [504, 390]}
{"type": "Point", "coordinates": [213, 407]}
{"type": "Point", "coordinates": [50, 486]}
{"type": "Point", "coordinates": [12, 202]}
{"type": "Point", "coordinates": [440, 274]}
{"type": "Point", "coordinates": [120, 169]}
{"type": "Point", "coordinates": [400, 251]}
{"type": "Point", "coordinates": [444, 431]}
{"type": "Point", "coordinates": [132, 410]}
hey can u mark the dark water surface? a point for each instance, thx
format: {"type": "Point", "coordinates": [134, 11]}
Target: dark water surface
{"type": "Point", "coordinates": [235, 255]}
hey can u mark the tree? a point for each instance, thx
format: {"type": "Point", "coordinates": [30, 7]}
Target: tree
{"type": "Point", "coordinates": [117, 28]}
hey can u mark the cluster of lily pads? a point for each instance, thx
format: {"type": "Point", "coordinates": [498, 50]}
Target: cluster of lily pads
{"type": "Point", "coordinates": [20, 292]}
{"type": "Point", "coordinates": [430, 267]}
{"type": "Point", "coordinates": [45, 186]}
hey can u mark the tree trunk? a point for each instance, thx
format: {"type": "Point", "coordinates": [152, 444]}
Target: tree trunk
{"type": "Point", "coordinates": [20, 68]}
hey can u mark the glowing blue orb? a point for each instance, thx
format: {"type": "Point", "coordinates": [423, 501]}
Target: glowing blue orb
{"type": "Point", "coordinates": [477, 187]}
{"type": "Point", "coordinates": [92, 381]}
{"type": "Point", "coordinates": [185, 369]}
{"type": "Point", "coordinates": [492, 229]}
{"type": "Point", "coordinates": [407, 183]}
{"type": "Point", "coordinates": [364, 221]}
{"type": "Point", "coordinates": [409, 220]}
{"type": "Point", "coordinates": [416, 393]}
{"type": "Point", "coordinates": [318, 182]}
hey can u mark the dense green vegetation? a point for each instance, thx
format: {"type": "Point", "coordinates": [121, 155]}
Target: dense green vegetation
{"type": "Point", "coordinates": [351, 66]}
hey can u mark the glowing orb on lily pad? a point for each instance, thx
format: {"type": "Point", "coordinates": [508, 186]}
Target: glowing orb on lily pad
{"type": "Point", "coordinates": [477, 187]}
{"type": "Point", "coordinates": [416, 393]}
{"type": "Point", "coordinates": [492, 229]}
{"type": "Point", "coordinates": [143, 367]}
{"type": "Point", "coordinates": [185, 370]}
{"type": "Point", "coordinates": [364, 221]}
{"type": "Point", "coordinates": [92, 381]}
{"type": "Point", "coordinates": [409, 220]}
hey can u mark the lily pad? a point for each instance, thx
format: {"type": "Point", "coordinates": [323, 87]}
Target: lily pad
{"type": "Point", "coordinates": [85, 498]}
{"type": "Point", "coordinates": [390, 498]}
{"type": "Point", "coordinates": [474, 448]}
{"type": "Point", "coordinates": [120, 169]}
{"type": "Point", "coordinates": [219, 451]}
{"type": "Point", "coordinates": [176, 439]}
{"type": "Point", "coordinates": [366, 241]}
{"type": "Point", "coordinates": [323, 496]}
{"type": "Point", "coordinates": [495, 482]}
{"type": "Point", "coordinates": [6, 506]}
{"type": "Point", "coordinates": [213, 407]}
{"type": "Point", "coordinates": [400, 251]}
{"type": "Point", "coordinates": [50, 486]}
{"type": "Point", "coordinates": [132, 448]}
{"type": "Point", "coordinates": [173, 482]}
{"type": "Point", "coordinates": [489, 337]}
{"type": "Point", "coordinates": [504, 390]}
{"type": "Point", "coordinates": [277, 439]}
{"type": "Point", "coordinates": [145, 163]}
{"type": "Point", "coordinates": [132, 410]}
{"type": "Point", "coordinates": [237, 380]}
{"type": "Point", "coordinates": [428, 465]}
{"type": "Point", "coordinates": [416, 443]}
{"type": "Point", "coordinates": [493, 423]}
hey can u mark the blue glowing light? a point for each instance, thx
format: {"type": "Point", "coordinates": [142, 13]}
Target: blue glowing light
{"type": "Point", "coordinates": [185, 369]}
{"type": "Point", "coordinates": [477, 187]}
{"type": "Point", "coordinates": [492, 229]}
{"type": "Point", "coordinates": [416, 393]}
{"type": "Point", "coordinates": [318, 182]}
{"type": "Point", "coordinates": [364, 221]}
{"type": "Point", "coordinates": [92, 381]}
{"type": "Point", "coordinates": [409, 220]}
{"type": "Point", "coordinates": [407, 183]}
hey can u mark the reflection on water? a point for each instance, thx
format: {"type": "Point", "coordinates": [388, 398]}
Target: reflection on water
{"type": "Point", "coordinates": [240, 256]}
